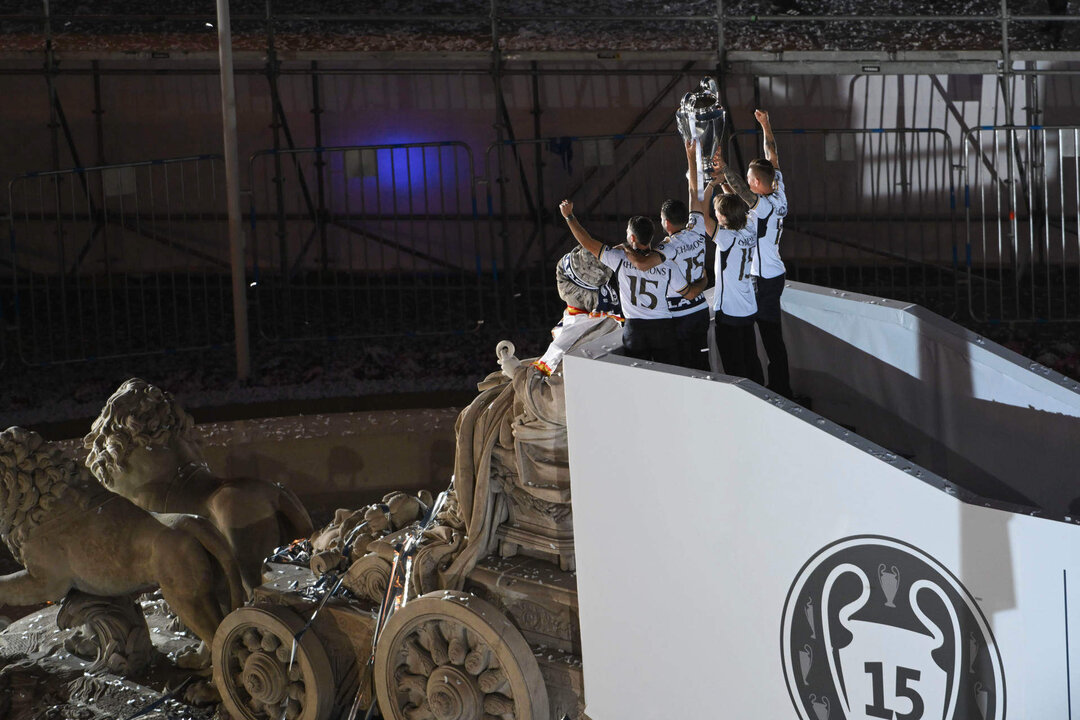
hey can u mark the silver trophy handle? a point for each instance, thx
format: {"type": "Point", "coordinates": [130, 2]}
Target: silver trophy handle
{"type": "Point", "coordinates": [700, 173]}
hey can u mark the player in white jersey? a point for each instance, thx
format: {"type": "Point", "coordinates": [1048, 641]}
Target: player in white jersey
{"type": "Point", "coordinates": [688, 232]}
{"type": "Point", "coordinates": [764, 192]}
{"type": "Point", "coordinates": [648, 333]}
{"type": "Point", "coordinates": [685, 247]}
{"type": "Point", "coordinates": [734, 304]}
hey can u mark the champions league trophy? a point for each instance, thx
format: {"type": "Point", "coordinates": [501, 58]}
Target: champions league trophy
{"type": "Point", "coordinates": [700, 117]}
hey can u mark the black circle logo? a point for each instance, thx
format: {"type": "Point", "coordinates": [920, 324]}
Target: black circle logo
{"type": "Point", "coordinates": [876, 629]}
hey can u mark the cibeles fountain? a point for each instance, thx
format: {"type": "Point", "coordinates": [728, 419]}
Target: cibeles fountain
{"type": "Point", "coordinates": [457, 605]}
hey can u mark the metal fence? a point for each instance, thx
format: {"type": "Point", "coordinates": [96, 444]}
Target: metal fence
{"type": "Point", "coordinates": [871, 211]}
{"type": "Point", "coordinates": [1022, 203]}
{"type": "Point", "coordinates": [384, 240]}
{"type": "Point", "coordinates": [118, 260]}
{"type": "Point", "coordinates": [365, 241]}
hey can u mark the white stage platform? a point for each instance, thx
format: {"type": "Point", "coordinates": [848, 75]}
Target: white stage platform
{"type": "Point", "coordinates": [741, 556]}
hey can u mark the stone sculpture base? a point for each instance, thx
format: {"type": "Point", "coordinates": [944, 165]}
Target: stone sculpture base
{"type": "Point", "coordinates": [41, 680]}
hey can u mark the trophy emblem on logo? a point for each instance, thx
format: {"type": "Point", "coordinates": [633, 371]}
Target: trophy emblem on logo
{"type": "Point", "coordinates": [890, 583]}
{"type": "Point", "coordinates": [809, 610]}
{"type": "Point", "coordinates": [925, 653]}
{"type": "Point", "coordinates": [821, 707]}
{"type": "Point", "coordinates": [701, 117]}
{"type": "Point", "coordinates": [980, 699]}
{"type": "Point", "coordinates": [806, 659]}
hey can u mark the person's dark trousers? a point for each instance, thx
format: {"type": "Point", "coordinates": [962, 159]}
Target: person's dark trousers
{"type": "Point", "coordinates": [692, 336]}
{"type": "Point", "coordinates": [737, 346]}
{"type": "Point", "coordinates": [651, 340]}
{"type": "Point", "coordinates": [772, 338]}
{"type": "Point", "coordinates": [768, 319]}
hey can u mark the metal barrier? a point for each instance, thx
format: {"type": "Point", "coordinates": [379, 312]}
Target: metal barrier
{"type": "Point", "coordinates": [119, 260]}
{"type": "Point", "coordinates": [610, 178]}
{"type": "Point", "coordinates": [870, 211]}
{"type": "Point", "coordinates": [1022, 203]}
{"type": "Point", "coordinates": [392, 240]}
{"type": "Point", "coordinates": [365, 241]}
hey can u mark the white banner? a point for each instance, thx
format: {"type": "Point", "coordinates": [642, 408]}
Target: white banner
{"type": "Point", "coordinates": [740, 557]}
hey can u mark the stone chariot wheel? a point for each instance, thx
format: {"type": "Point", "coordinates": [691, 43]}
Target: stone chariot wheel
{"type": "Point", "coordinates": [451, 656]}
{"type": "Point", "coordinates": [251, 652]}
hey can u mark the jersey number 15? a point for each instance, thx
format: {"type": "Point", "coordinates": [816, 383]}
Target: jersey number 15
{"type": "Point", "coordinates": [640, 286]}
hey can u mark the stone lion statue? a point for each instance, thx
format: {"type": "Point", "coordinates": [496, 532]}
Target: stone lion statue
{"type": "Point", "coordinates": [142, 447]}
{"type": "Point", "coordinates": [71, 534]}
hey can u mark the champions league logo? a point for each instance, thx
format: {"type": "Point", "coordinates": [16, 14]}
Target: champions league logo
{"type": "Point", "coordinates": [876, 629]}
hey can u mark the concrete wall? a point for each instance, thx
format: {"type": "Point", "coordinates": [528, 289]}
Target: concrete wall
{"type": "Point", "coordinates": [341, 460]}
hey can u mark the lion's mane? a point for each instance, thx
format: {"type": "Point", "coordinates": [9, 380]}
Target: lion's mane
{"type": "Point", "coordinates": [34, 475]}
{"type": "Point", "coordinates": [137, 415]}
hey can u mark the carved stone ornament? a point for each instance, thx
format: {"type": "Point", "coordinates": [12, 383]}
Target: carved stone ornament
{"type": "Point", "coordinates": [112, 633]}
{"type": "Point", "coordinates": [368, 578]}
{"type": "Point", "coordinates": [539, 619]}
{"type": "Point", "coordinates": [266, 668]}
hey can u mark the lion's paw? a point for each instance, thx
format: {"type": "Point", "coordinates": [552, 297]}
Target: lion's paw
{"type": "Point", "coordinates": [197, 658]}
{"type": "Point", "coordinates": [202, 693]}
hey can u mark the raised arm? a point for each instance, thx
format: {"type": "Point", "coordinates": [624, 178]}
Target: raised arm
{"type": "Point", "coordinates": [586, 240]}
{"type": "Point", "coordinates": [695, 288]}
{"type": "Point", "coordinates": [736, 181]}
{"type": "Point", "coordinates": [770, 141]}
{"type": "Point", "coordinates": [695, 205]}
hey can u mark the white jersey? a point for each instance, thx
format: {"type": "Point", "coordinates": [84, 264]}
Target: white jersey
{"type": "Point", "coordinates": [643, 292]}
{"type": "Point", "coordinates": [771, 210]}
{"type": "Point", "coordinates": [686, 249]}
{"type": "Point", "coordinates": [734, 296]}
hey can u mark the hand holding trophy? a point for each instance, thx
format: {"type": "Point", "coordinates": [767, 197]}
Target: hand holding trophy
{"type": "Point", "coordinates": [702, 121]}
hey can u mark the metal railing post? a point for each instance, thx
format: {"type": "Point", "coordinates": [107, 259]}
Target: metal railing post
{"type": "Point", "coordinates": [232, 192]}
{"type": "Point", "coordinates": [504, 234]}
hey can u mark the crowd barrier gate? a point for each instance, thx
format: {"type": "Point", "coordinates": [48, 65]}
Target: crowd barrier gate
{"type": "Point", "coordinates": [119, 260]}
{"type": "Point", "coordinates": [1022, 205]}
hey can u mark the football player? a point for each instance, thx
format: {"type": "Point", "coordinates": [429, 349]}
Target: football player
{"type": "Point", "coordinates": [648, 333]}
{"type": "Point", "coordinates": [763, 191]}
{"type": "Point", "coordinates": [734, 304]}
